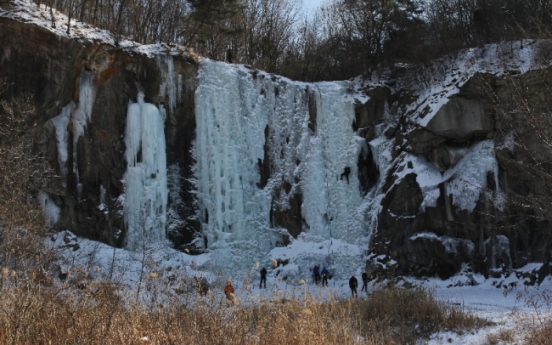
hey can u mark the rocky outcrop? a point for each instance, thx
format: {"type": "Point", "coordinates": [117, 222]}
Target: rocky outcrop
{"type": "Point", "coordinates": [493, 238]}
{"type": "Point", "coordinates": [51, 68]}
{"type": "Point", "coordinates": [461, 118]}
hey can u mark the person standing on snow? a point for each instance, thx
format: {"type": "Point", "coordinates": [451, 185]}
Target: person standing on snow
{"type": "Point", "coordinates": [229, 55]}
{"type": "Point", "coordinates": [353, 283]}
{"type": "Point", "coordinates": [316, 274]}
{"type": "Point", "coordinates": [229, 292]}
{"type": "Point", "coordinates": [263, 278]}
{"type": "Point", "coordinates": [325, 275]}
{"type": "Point", "coordinates": [364, 282]}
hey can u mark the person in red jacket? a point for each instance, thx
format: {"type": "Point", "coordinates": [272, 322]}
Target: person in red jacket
{"type": "Point", "coordinates": [229, 292]}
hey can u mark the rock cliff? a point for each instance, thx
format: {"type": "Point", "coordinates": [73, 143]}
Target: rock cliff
{"type": "Point", "coordinates": [434, 157]}
{"type": "Point", "coordinates": [55, 70]}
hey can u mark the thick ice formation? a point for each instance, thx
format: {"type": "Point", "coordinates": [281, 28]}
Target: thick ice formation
{"type": "Point", "coordinates": [80, 115]}
{"type": "Point", "coordinates": [238, 111]}
{"type": "Point", "coordinates": [145, 205]}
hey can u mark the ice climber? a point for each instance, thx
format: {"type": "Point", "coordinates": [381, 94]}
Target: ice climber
{"type": "Point", "coordinates": [346, 173]}
{"type": "Point", "coordinates": [263, 278]}
{"type": "Point", "coordinates": [316, 274]}
{"type": "Point", "coordinates": [353, 283]}
{"type": "Point", "coordinates": [325, 274]}
{"type": "Point", "coordinates": [229, 292]}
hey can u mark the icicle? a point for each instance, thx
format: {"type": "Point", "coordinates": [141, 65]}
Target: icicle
{"type": "Point", "coordinates": [168, 88]}
{"type": "Point", "coordinates": [60, 123]}
{"type": "Point", "coordinates": [81, 117]}
{"type": "Point", "coordinates": [179, 91]}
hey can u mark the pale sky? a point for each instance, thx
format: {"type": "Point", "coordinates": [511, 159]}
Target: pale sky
{"type": "Point", "coordinates": [312, 4]}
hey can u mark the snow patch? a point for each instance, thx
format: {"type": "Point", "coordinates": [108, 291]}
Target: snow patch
{"type": "Point", "coordinates": [451, 244]}
{"type": "Point", "coordinates": [27, 11]}
{"type": "Point", "coordinates": [50, 211]}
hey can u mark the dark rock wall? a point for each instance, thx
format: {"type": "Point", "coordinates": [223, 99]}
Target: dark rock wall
{"type": "Point", "coordinates": [492, 239]}
{"type": "Point", "coordinates": [48, 67]}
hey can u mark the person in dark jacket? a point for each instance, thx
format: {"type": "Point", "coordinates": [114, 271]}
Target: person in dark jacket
{"type": "Point", "coordinates": [316, 274]}
{"type": "Point", "coordinates": [229, 55]}
{"type": "Point", "coordinates": [364, 282]}
{"type": "Point", "coordinates": [353, 283]}
{"type": "Point", "coordinates": [325, 275]}
{"type": "Point", "coordinates": [263, 278]}
{"type": "Point", "coordinates": [204, 286]}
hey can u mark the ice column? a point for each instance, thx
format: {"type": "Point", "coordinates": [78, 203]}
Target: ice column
{"type": "Point", "coordinates": [145, 205]}
{"type": "Point", "coordinates": [330, 205]}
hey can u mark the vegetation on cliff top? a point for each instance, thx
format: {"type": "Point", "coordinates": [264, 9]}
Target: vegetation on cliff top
{"type": "Point", "coordinates": [344, 39]}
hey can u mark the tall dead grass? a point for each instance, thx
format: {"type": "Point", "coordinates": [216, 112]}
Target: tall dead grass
{"type": "Point", "coordinates": [98, 313]}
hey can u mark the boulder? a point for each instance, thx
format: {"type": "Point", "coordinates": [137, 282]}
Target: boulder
{"type": "Point", "coordinates": [461, 118]}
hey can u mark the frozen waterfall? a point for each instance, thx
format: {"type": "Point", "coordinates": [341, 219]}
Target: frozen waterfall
{"type": "Point", "coordinates": [242, 113]}
{"type": "Point", "coordinates": [145, 204]}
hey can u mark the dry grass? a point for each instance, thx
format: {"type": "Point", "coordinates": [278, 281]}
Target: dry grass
{"type": "Point", "coordinates": [541, 335]}
{"type": "Point", "coordinates": [407, 315]}
{"type": "Point", "coordinates": [505, 336]}
{"type": "Point", "coordinates": [98, 314]}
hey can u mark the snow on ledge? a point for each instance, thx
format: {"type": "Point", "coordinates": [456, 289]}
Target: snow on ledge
{"type": "Point", "coordinates": [434, 84]}
{"type": "Point", "coordinates": [451, 244]}
{"type": "Point", "coordinates": [26, 11]}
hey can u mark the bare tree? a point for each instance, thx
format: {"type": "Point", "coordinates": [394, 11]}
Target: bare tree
{"type": "Point", "coordinates": [23, 175]}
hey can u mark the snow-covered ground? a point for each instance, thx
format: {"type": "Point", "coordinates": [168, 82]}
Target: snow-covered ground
{"type": "Point", "coordinates": [163, 273]}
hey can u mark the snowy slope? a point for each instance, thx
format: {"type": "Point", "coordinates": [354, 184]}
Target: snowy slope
{"type": "Point", "coordinates": [433, 84]}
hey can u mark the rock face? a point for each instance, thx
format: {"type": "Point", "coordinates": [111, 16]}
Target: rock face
{"type": "Point", "coordinates": [437, 167]}
{"type": "Point", "coordinates": [493, 237]}
{"type": "Point", "coordinates": [461, 118]}
{"type": "Point", "coordinates": [55, 70]}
